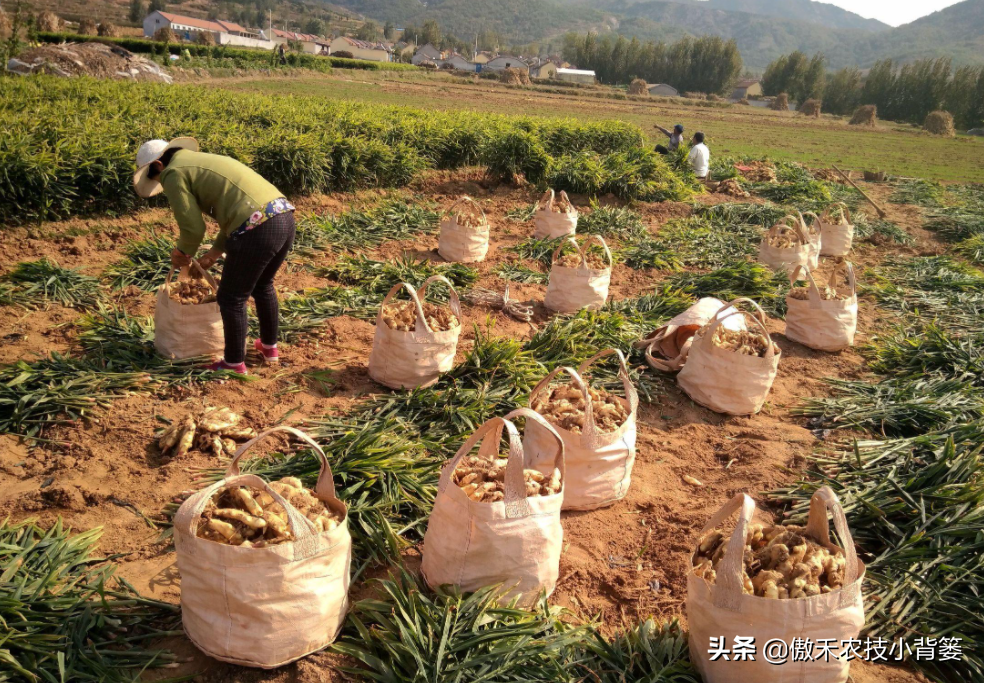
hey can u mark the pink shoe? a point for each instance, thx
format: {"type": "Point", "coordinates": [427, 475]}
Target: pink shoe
{"type": "Point", "coordinates": [268, 355]}
{"type": "Point", "coordinates": [222, 365]}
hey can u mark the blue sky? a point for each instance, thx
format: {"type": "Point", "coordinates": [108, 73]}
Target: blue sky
{"type": "Point", "coordinates": [894, 12]}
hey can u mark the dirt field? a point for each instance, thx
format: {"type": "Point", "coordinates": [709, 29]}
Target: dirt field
{"type": "Point", "coordinates": [731, 129]}
{"type": "Point", "coordinates": [624, 562]}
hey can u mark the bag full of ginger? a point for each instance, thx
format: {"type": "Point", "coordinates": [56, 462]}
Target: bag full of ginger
{"type": "Point", "coordinates": [496, 520]}
{"type": "Point", "coordinates": [823, 318]}
{"type": "Point", "coordinates": [415, 341]}
{"type": "Point", "coordinates": [264, 565]}
{"type": "Point", "coordinates": [464, 236]}
{"type": "Point", "coordinates": [187, 322]}
{"type": "Point", "coordinates": [731, 370]}
{"type": "Point", "coordinates": [579, 279]}
{"type": "Point", "coordinates": [555, 217]}
{"type": "Point", "coordinates": [791, 243]}
{"type": "Point", "coordinates": [774, 583]}
{"type": "Point", "coordinates": [598, 429]}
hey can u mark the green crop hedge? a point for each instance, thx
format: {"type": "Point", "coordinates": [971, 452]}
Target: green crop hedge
{"type": "Point", "coordinates": [243, 57]}
{"type": "Point", "coordinates": [69, 144]}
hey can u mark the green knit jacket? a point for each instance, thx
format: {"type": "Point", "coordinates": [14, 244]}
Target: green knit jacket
{"type": "Point", "coordinates": [196, 183]}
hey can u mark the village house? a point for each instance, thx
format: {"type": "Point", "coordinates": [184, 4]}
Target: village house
{"type": "Point", "coordinates": [456, 61]}
{"type": "Point", "coordinates": [576, 76]}
{"type": "Point", "coordinates": [503, 62]}
{"type": "Point", "coordinates": [748, 88]}
{"type": "Point", "coordinates": [426, 53]}
{"type": "Point", "coordinates": [663, 90]}
{"type": "Point", "coordinates": [361, 49]}
{"type": "Point", "coordinates": [544, 70]}
{"type": "Point", "coordinates": [188, 28]}
{"type": "Point", "coordinates": [308, 43]}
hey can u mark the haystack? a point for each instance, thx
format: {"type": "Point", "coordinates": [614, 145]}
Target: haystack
{"type": "Point", "coordinates": [87, 27]}
{"type": "Point", "coordinates": [108, 30]}
{"type": "Point", "coordinates": [810, 107]}
{"type": "Point", "coordinates": [638, 87]}
{"type": "Point", "coordinates": [940, 123]}
{"type": "Point", "coordinates": [780, 103]}
{"type": "Point", "coordinates": [205, 38]}
{"type": "Point", "coordinates": [49, 22]}
{"type": "Point", "coordinates": [695, 95]}
{"type": "Point", "coordinates": [165, 35]}
{"type": "Point", "coordinates": [714, 98]}
{"type": "Point", "coordinates": [866, 115]}
{"type": "Point", "coordinates": [513, 76]}
{"type": "Point", "coordinates": [744, 100]}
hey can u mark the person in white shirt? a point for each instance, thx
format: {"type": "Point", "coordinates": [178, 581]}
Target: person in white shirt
{"type": "Point", "coordinates": [676, 139]}
{"type": "Point", "coordinates": [700, 156]}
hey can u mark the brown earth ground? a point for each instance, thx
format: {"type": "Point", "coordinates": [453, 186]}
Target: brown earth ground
{"type": "Point", "coordinates": [624, 562]}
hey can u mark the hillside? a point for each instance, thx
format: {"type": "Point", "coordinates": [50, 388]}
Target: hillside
{"type": "Point", "coordinates": [521, 21]}
{"type": "Point", "coordinates": [957, 31]}
{"type": "Point", "coordinates": [822, 13]}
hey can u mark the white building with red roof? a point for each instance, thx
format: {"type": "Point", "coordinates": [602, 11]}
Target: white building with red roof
{"type": "Point", "coordinates": [188, 28]}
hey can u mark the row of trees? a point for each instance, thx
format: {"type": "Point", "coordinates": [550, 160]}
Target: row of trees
{"type": "Point", "coordinates": [902, 92]}
{"type": "Point", "coordinates": [709, 64]}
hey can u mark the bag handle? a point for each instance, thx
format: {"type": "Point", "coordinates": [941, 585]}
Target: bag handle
{"type": "Point", "coordinates": [795, 227]}
{"type": "Point", "coordinates": [563, 196]}
{"type": "Point", "coordinates": [454, 302]}
{"type": "Point", "coordinates": [490, 433]}
{"type": "Point", "coordinates": [801, 272]}
{"type": "Point", "coordinates": [604, 246]}
{"type": "Point", "coordinates": [623, 372]}
{"type": "Point", "coordinates": [818, 527]}
{"type": "Point", "coordinates": [466, 200]}
{"type": "Point", "coordinates": [841, 207]}
{"type": "Point", "coordinates": [810, 230]}
{"type": "Point", "coordinates": [205, 275]}
{"type": "Point", "coordinates": [547, 200]}
{"type": "Point", "coordinates": [728, 589]}
{"type": "Point", "coordinates": [852, 282]}
{"type": "Point", "coordinates": [567, 242]}
{"type": "Point", "coordinates": [578, 382]}
{"type": "Point", "coordinates": [759, 319]}
{"type": "Point", "coordinates": [421, 320]}
{"type": "Point", "coordinates": [325, 486]}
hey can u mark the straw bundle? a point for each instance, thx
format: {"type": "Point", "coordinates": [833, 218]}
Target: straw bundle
{"type": "Point", "coordinates": [940, 123]}
{"type": "Point", "coordinates": [865, 115]}
{"type": "Point", "coordinates": [810, 107]}
{"type": "Point", "coordinates": [780, 103]}
{"type": "Point", "coordinates": [638, 87]}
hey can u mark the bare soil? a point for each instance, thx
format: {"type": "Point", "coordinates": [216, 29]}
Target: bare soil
{"type": "Point", "coordinates": [624, 562]}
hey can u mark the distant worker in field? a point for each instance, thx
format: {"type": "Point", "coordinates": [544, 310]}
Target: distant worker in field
{"type": "Point", "coordinates": [256, 231]}
{"type": "Point", "coordinates": [676, 139]}
{"type": "Point", "coordinates": [700, 156]}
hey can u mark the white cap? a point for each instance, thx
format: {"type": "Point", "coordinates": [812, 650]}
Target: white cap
{"type": "Point", "coordinates": [149, 152]}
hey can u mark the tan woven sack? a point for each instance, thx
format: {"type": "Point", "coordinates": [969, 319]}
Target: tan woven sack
{"type": "Point", "coordinates": [723, 609]}
{"type": "Point", "coordinates": [461, 243]}
{"type": "Point", "coordinates": [666, 349]}
{"type": "Point", "coordinates": [571, 289]}
{"type": "Point", "coordinates": [805, 251]}
{"type": "Point", "coordinates": [836, 231]}
{"type": "Point", "coordinates": [824, 325]}
{"type": "Point", "coordinates": [550, 225]}
{"type": "Point", "coordinates": [187, 330]}
{"type": "Point", "coordinates": [406, 360]}
{"type": "Point", "coordinates": [598, 465]}
{"type": "Point", "coordinates": [726, 381]}
{"type": "Point", "coordinates": [264, 607]}
{"type": "Point", "coordinates": [515, 542]}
